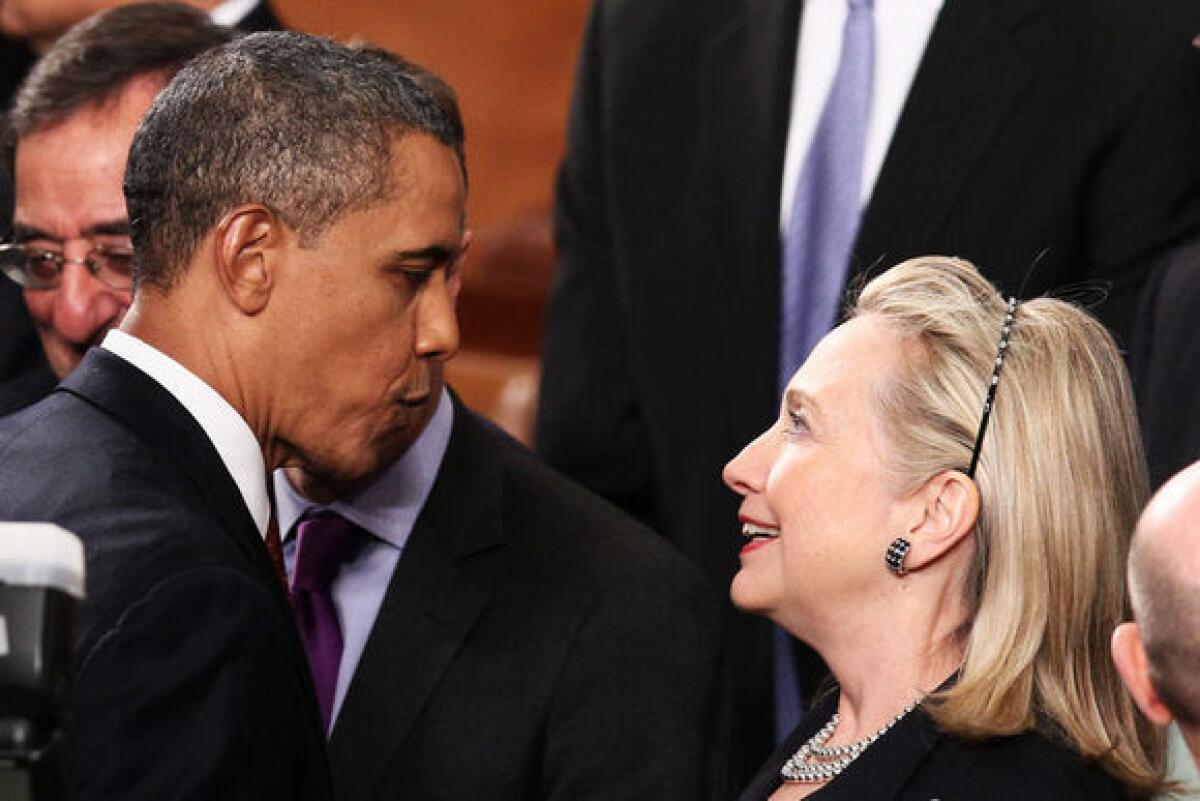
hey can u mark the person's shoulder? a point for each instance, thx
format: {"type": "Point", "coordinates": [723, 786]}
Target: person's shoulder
{"type": "Point", "coordinates": [64, 448]}
{"type": "Point", "coordinates": [1029, 765]}
{"type": "Point", "coordinates": [65, 461]}
{"type": "Point", "coordinates": [626, 24]}
{"type": "Point", "coordinates": [25, 389]}
{"type": "Point", "coordinates": [1142, 36]}
{"type": "Point", "coordinates": [1174, 291]}
{"type": "Point", "coordinates": [544, 509]}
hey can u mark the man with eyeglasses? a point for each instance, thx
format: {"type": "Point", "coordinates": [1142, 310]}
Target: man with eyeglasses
{"type": "Point", "coordinates": [28, 28]}
{"type": "Point", "coordinates": [67, 137]}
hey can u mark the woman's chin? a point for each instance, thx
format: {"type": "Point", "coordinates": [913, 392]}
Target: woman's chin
{"type": "Point", "coordinates": [748, 595]}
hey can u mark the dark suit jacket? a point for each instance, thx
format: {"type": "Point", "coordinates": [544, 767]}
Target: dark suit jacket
{"type": "Point", "coordinates": [190, 682]}
{"type": "Point", "coordinates": [916, 761]}
{"type": "Point", "coordinates": [534, 643]}
{"type": "Point", "coordinates": [26, 389]}
{"type": "Point", "coordinates": [261, 18]}
{"type": "Point", "coordinates": [1067, 127]}
{"type": "Point", "coordinates": [1165, 362]}
{"type": "Point", "coordinates": [20, 350]}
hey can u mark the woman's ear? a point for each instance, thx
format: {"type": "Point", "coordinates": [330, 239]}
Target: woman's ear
{"type": "Point", "coordinates": [945, 512]}
{"type": "Point", "coordinates": [248, 245]}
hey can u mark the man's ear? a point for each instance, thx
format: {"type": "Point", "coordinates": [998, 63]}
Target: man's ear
{"type": "Point", "coordinates": [1129, 655]}
{"type": "Point", "coordinates": [944, 514]}
{"type": "Point", "coordinates": [247, 247]}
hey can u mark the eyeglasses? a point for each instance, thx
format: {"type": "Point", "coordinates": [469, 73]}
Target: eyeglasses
{"type": "Point", "coordinates": [34, 268]}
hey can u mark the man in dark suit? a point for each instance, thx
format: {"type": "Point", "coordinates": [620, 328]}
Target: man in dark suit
{"type": "Point", "coordinates": [1050, 142]}
{"type": "Point", "coordinates": [525, 640]}
{"type": "Point", "coordinates": [25, 374]}
{"type": "Point", "coordinates": [280, 257]}
{"type": "Point", "coordinates": [501, 632]}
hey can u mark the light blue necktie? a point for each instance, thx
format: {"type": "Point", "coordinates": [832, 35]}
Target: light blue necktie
{"type": "Point", "coordinates": [826, 207]}
{"type": "Point", "coordinates": [817, 241]}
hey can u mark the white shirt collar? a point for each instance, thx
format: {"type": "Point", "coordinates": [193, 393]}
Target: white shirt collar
{"type": "Point", "coordinates": [231, 12]}
{"type": "Point", "coordinates": [226, 429]}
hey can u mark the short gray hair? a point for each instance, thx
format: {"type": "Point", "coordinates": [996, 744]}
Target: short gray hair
{"type": "Point", "coordinates": [298, 123]}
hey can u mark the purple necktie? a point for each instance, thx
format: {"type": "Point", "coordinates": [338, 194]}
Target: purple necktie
{"type": "Point", "coordinates": [323, 543]}
{"type": "Point", "coordinates": [817, 242]}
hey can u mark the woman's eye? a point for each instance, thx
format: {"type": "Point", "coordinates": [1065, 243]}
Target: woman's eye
{"type": "Point", "coordinates": [795, 423]}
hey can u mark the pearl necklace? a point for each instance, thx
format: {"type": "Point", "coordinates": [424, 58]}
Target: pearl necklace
{"type": "Point", "coordinates": [802, 767]}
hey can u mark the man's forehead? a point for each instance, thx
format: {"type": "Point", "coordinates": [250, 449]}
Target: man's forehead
{"type": "Point", "coordinates": [69, 174]}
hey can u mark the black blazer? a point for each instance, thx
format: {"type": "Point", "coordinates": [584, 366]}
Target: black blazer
{"type": "Point", "coordinates": [261, 18]}
{"type": "Point", "coordinates": [1060, 126]}
{"type": "Point", "coordinates": [190, 682]}
{"type": "Point", "coordinates": [27, 388]}
{"type": "Point", "coordinates": [916, 761]}
{"type": "Point", "coordinates": [1165, 362]}
{"type": "Point", "coordinates": [534, 643]}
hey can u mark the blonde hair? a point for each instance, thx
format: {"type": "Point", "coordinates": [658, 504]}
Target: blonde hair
{"type": "Point", "coordinates": [1061, 479]}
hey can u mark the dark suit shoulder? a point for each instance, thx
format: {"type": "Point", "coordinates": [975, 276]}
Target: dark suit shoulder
{"type": "Point", "coordinates": [599, 540]}
{"type": "Point", "coordinates": [1028, 765]}
{"type": "Point", "coordinates": [26, 388]}
{"type": "Point", "coordinates": [65, 461]}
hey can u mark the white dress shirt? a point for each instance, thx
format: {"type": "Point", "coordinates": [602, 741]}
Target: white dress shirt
{"type": "Point", "coordinates": [231, 12]}
{"type": "Point", "coordinates": [226, 429]}
{"type": "Point", "coordinates": [902, 29]}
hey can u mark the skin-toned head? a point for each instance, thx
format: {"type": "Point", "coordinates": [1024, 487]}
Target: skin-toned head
{"type": "Point", "coordinates": [817, 482]}
{"type": "Point", "coordinates": [67, 138]}
{"type": "Point", "coordinates": [298, 123]}
{"type": "Point", "coordinates": [1019, 570]}
{"type": "Point", "coordinates": [1159, 654]}
{"type": "Point", "coordinates": [68, 200]}
{"type": "Point", "coordinates": [319, 300]}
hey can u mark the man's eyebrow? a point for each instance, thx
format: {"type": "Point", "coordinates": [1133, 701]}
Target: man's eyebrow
{"type": "Point", "coordinates": [436, 254]}
{"type": "Point", "coordinates": [24, 233]}
{"type": "Point", "coordinates": [108, 228]}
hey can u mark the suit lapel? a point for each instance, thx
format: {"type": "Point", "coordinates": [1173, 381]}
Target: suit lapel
{"type": "Point", "coordinates": [747, 96]}
{"type": "Point", "coordinates": [975, 68]}
{"type": "Point", "coordinates": [441, 585]}
{"type": "Point", "coordinates": [148, 409]}
{"type": "Point", "coordinates": [158, 419]}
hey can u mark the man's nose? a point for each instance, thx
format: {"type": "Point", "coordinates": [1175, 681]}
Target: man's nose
{"type": "Point", "coordinates": [437, 323]}
{"type": "Point", "coordinates": [84, 306]}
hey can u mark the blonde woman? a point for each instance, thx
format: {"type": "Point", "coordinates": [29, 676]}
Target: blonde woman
{"type": "Point", "coordinates": [955, 554]}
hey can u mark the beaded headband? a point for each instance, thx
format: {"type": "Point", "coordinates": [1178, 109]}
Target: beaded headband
{"type": "Point", "coordinates": [991, 392]}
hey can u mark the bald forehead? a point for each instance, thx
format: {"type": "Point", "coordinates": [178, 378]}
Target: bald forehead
{"type": "Point", "coordinates": [1171, 521]}
{"type": "Point", "coordinates": [1164, 557]}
